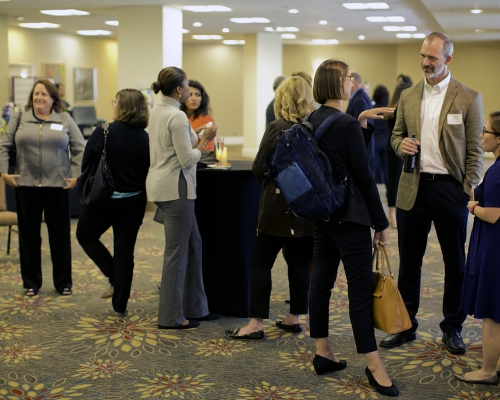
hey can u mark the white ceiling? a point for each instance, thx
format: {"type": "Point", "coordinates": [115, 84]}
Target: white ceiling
{"type": "Point", "coordinates": [451, 16]}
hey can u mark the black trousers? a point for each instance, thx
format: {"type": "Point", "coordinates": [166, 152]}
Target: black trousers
{"type": "Point", "coordinates": [125, 216]}
{"type": "Point", "coordinates": [352, 244]}
{"type": "Point", "coordinates": [297, 253]}
{"type": "Point", "coordinates": [394, 169]}
{"type": "Point", "coordinates": [443, 202]}
{"type": "Point", "coordinates": [54, 203]}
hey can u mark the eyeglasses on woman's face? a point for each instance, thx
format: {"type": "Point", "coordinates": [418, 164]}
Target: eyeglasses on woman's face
{"type": "Point", "coordinates": [485, 131]}
{"type": "Point", "coordinates": [113, 103]}
{"type": "Point", "coordinates": [349, 77]}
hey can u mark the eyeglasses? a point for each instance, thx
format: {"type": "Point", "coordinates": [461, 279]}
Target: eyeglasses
{"type": "Point", "coordinates": [113, 103]}
{"type": "Point", "coordinates": [494, 133]}
{"type": "Point", "coordinates": [350, 77]}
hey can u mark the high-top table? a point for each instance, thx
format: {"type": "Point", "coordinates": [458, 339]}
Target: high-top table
{"type": "Point", "coordinates": [226, 210]}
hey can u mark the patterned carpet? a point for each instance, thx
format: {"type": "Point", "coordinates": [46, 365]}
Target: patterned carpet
{"type": "Point", "coordinates": [54, 347]}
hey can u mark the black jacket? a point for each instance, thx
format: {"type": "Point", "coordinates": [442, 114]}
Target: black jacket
{"type": "Point", "coordinates": [345, 145]}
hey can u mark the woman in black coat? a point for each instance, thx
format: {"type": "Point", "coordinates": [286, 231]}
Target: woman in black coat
{"type": "Point", "coordinates": [346, 236]}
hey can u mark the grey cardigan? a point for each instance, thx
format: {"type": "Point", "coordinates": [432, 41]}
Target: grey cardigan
{"type": "Point", "coordinates": [43, 149]}
{"type": "Point", "coordinates": [171, 149]}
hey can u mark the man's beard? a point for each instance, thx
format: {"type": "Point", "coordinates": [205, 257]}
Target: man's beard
{"type": "Point", "coordinates": [436, 71]}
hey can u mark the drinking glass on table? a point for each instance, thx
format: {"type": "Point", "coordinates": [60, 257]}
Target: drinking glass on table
{"type": "Point", "coordinates": [220, 149]}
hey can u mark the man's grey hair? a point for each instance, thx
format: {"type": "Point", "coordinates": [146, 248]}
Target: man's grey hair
{"type": "Point", "coordinates": [278, 80]}
{"type": "Point", "coordinates": [447, 42]}
{"type": "Point", "coordinates": [357, 77]}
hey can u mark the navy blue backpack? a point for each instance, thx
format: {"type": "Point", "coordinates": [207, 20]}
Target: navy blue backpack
{"type": "Point", "coordinates": [304, 173]}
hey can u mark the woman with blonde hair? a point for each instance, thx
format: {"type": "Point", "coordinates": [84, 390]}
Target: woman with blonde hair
{"type": "Point", "coordinates": [275, 228]}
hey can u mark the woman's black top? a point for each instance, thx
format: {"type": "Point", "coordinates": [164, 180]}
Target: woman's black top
{"type": "Point", "coordinates": [127, 153]}
{"type": "Point", "coordinates": [345, 145]}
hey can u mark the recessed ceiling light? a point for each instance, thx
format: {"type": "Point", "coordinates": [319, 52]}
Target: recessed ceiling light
{"type": "Point", "coordinates": [23, 74]}
{"type": "Point", "coordinates": [287, 29]}
{"type": "Point", "coordinates": [476, 11]}
{"type": "Point", "coordinates": [288, 36]}
{"type": "Point", "coordinates": [233, 42]}
{"type": "Point", "coordinates": [64, 13]}
{"type": "Point", "coordinates": [366, 6]}
{"type": "Point", "coordinates": [20, 18]}
{"type": "Point", "coordinates": [323, 22]}
{"type": "Point", "coordinates": [39, 25]}
{"type": "Point", "coordinates": [361, 37]}
{"type": "Point", "coordinates": [403, 35]}
{"type": "Point", "coordinates": [225, 30]}
{"type": "Point", "coordinates": [112, 23]}
{"type": "Point", "coordinates": [419, 35]}
{"type": "Point", "coordinates": [254, 20]}
{"type": "Point", "coordinates": [207, 8]}
{"type": "Point", "coordinates": [207, 37]}
{"type": "Point", "coordinates": [339, 29]}
{"type": "Point", "coordinates": [185, 31]}
{"type": "Point", "coordinates": [479, 30]}
{"type": "Point", "coordinates": [197, 24]}
{"type": "Point", "coordinates": [386, 19]}
{"type": "Point", "coordinates": [325, 41]}
{"type": "Point", "coordinates": [293, 11]}
{"type": "Point", "coordinates": [269, 29]}
{"type": "Point", "coordinates": [408, 28]}
{"type": "Point", "coordinates": [96, 32]}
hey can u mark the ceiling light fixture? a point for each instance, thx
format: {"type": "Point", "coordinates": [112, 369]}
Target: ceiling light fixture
{"type": "Point", "coordinates": [479, 30]}
{"type": "Point", "coordinates": [197, 24]}
{"type": "Point", "coordinates": [339, 29]}
{"type": "Point", "coordinates": [269, 29]}
{"type": "Point", "coordinates": [20, 18]}
{"type": "Point", "coordinates": [323, 22]}
{"type": "Point", "coordinates": [392, 28]}
{"type": "Point", "coordinates": [254, 20]}
{"type": "Point", "coordinates": [288, 36]}
{"type": "Point", "coordinates": [95, 32]}
{"type": "Point", "coordinates": [293, 11]}
{"type": "Point", "coordinates": [361, 37]}
{"type": "Point", "coordinates": [225, 30]}
{"type": "Point", "coordinates": [287, 29]}
{"type": "Point", "coordinates": [112, 23]}
{"type": "Point", "coordinates": [476, 11]}
{"type": "Point", "coordinates": [366, 6]}
{"type": "Point", "coordinates": [185, 31]}
{"type": "Point", "coordinates": [207, 8]}
{"type": "Point", "coordinates": [386, 19]}
{"type": "Point", "coordinates": [64, 13]}
{"type": "Point", "coordinates": [403, 35]}
{"type": "Point", "coordinates": [325, 41]}
{"type": "Point", "coordinates": [207, 37]}
{"type": "Point", "coordinates": [233, 42]}
{"type": "Point", "coordinates": [39, 25]}
{"type": "Point", "coordinates": [419, 35]}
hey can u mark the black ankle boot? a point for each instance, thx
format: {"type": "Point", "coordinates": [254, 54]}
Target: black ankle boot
{"type": "Point", "coordinates": [392, 390]}
{"type": "Point", "coordinates": [323, 365]}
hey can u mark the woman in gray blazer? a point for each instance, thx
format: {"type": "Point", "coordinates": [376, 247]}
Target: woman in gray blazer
{"type": "Point", "coordinates": [44, 137]}
{"type": "Point", "coordinates": [171, 184]}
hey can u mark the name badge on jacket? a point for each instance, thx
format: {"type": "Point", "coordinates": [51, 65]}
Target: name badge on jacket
{"type": "Point", "coordinates": [454, 119]}
{"type": "Point", "coordinates": [56, 127]}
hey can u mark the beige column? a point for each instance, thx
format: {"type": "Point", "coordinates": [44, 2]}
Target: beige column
{"type": "Point", "coordinates": [4, 61]}
{"type": "Point", "coordinates": [149, 39]}
{"type": "Point", "coordinates": [263, 62]}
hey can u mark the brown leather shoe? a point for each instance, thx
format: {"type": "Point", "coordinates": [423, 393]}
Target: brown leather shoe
{"type": "Point", "coordinates": [108, 293]}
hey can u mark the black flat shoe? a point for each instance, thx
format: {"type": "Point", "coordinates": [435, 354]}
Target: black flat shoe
{"type": "Point", "coordinates": [208, 317]}
{"type": "Point", "coordinates": [398, 339]}
{"type": "Point", "coordinates": [191, 324]}
{"type": "Point", "coordinates": [392, 390]}
{"type": "Point", "coordinates": [323, 365]}
{"type": "Point", "coordinates": [489, 381]}
{"type": "Point", "coordinates": [257, 335]}
{"type": "Point", "coordinates": [295, 328]}
{"type": "Point", "coordinates": [454, 343]}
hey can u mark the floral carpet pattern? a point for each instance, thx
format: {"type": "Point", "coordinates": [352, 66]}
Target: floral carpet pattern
{"type": "Point", "coordinates": [55, 347]}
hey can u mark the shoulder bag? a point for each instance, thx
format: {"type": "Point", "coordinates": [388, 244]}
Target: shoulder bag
{"type": "Point", "coordinates": [389, 311]}
{"type": "Point", "coordinates": [95, 184]}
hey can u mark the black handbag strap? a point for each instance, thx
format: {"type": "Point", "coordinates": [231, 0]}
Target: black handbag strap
{"type": "Point", "coordinates": [105, 127]}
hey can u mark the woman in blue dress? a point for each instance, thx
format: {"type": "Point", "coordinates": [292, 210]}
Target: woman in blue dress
{"type": "Point", "coordinates": [480, 296]}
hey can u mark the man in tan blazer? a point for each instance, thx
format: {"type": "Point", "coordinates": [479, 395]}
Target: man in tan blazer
{"type": "Point", "coordinates": [447, 119]}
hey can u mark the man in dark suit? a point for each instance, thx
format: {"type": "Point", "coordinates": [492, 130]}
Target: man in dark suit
{"type": "Point", "coordinates": [447, 119]}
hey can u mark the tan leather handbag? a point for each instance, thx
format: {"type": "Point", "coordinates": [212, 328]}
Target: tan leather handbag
{"type": "Point", "coordinates": [389, 311]}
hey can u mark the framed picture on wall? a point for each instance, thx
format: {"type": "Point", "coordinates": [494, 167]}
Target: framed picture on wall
{"type": "Point", "coordinates": [85, 84]}
{"type": "Point", "coordinates": [57, 72]}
